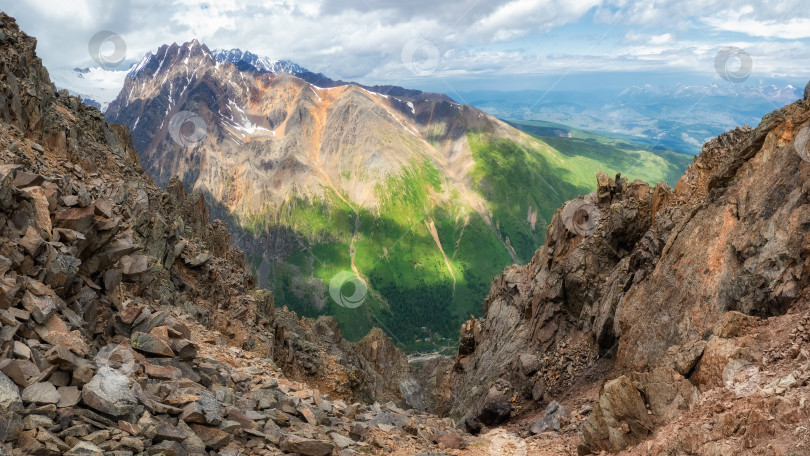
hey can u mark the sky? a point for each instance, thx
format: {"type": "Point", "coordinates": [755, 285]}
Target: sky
{"type": "Point", "coordinates": [466, 44]}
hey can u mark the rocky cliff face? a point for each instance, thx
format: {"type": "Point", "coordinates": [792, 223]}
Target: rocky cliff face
{"type": "Point", "coordinates": [647, 282]}
{"type": "Point", "coordinates": [547, 323]}
{"type": "Point", "coordinates": [128, 323]}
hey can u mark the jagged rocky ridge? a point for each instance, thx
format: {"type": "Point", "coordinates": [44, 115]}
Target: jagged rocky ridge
{"type": "Point", "coordinates": [657, 292]}
{"type": "Point", "coordinates": [129, 325]}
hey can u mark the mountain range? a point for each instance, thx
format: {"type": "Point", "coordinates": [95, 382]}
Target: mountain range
{"type": "Point", "coordinates": [422, 198]}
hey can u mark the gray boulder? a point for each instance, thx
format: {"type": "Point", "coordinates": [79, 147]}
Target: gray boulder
{"type": "Point", "coordinates": [41, 393]}
{"type": "Point", "coordinates": [552, 420]}
{"type": "Point", "coordinates": [412, 393]}
{"type": "Point", "coordinates": [41, 307]}
{"type": "Point", "coordinates": [9, 395]}
{"type": "Point", "coordinates": [108, 392]}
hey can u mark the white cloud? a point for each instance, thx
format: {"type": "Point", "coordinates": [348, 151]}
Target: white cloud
{"type": "Point", "coordinates": [634, 37]}
{"type": "Point", "coordinates": [519, 17]}
{"type": "Point", "coordinates": [794, 28]}
{"type": "Point", "coordinates": [363, 39]}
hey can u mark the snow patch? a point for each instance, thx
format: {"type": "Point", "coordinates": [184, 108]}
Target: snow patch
{"type": "Point", "coordinates": [373, 93]}
{"type": "Point", "coordinates": [238, 108]}
{"type": "Point", "coordinates": [146, 58]}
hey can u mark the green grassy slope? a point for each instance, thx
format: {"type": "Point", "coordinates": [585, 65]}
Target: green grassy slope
{"type": "Point", "coordinates": [414, 295]}
{"type": "Point", "coordinates": [395, 251]}
{"type": "Point", "coordinates": [613, 152]}
{"type": "Point", "coordinates": [546, 172]}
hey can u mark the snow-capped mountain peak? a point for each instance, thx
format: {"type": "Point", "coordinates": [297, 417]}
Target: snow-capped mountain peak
{"type": "Point", "coordinates": [261, 63]}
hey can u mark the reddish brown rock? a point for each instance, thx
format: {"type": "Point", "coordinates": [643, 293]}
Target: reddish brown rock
{"type": "Point", "coordinates": [306, 447]}
{"type": "Point", "coordinates": [20, 371]}
{"type": "Point", "coordinates": [76, 219]}
{"type": "Point", "coordinates": [149, 343]}
{"type": "Point", "coordinates": [69, 396]}
{"type": "Point", "coordinates": [213, 438]}
{"type": "Point", "coordinates": [40, 307]}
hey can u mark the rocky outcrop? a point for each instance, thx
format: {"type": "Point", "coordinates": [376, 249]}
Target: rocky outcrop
{"type": "Point", "coordinates": [549, 321]}
{"type": "Point", "coordinates": [653, 280]}
{"type": "Point", "coordinates": [371, 369]}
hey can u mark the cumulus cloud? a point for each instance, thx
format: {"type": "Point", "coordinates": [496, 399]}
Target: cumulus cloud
{"type": "Point", "coordinates": [364, 39]}
{"type": "Point", "coordinates": [794, 28]}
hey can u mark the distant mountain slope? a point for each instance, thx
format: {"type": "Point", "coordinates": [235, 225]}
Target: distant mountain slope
{"type": "Point", "coordinates": [682, 117]}
{"type": "Point", "coordinates": [613, 152]}
{"type": "Point", "coordinates": [424, 199]}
